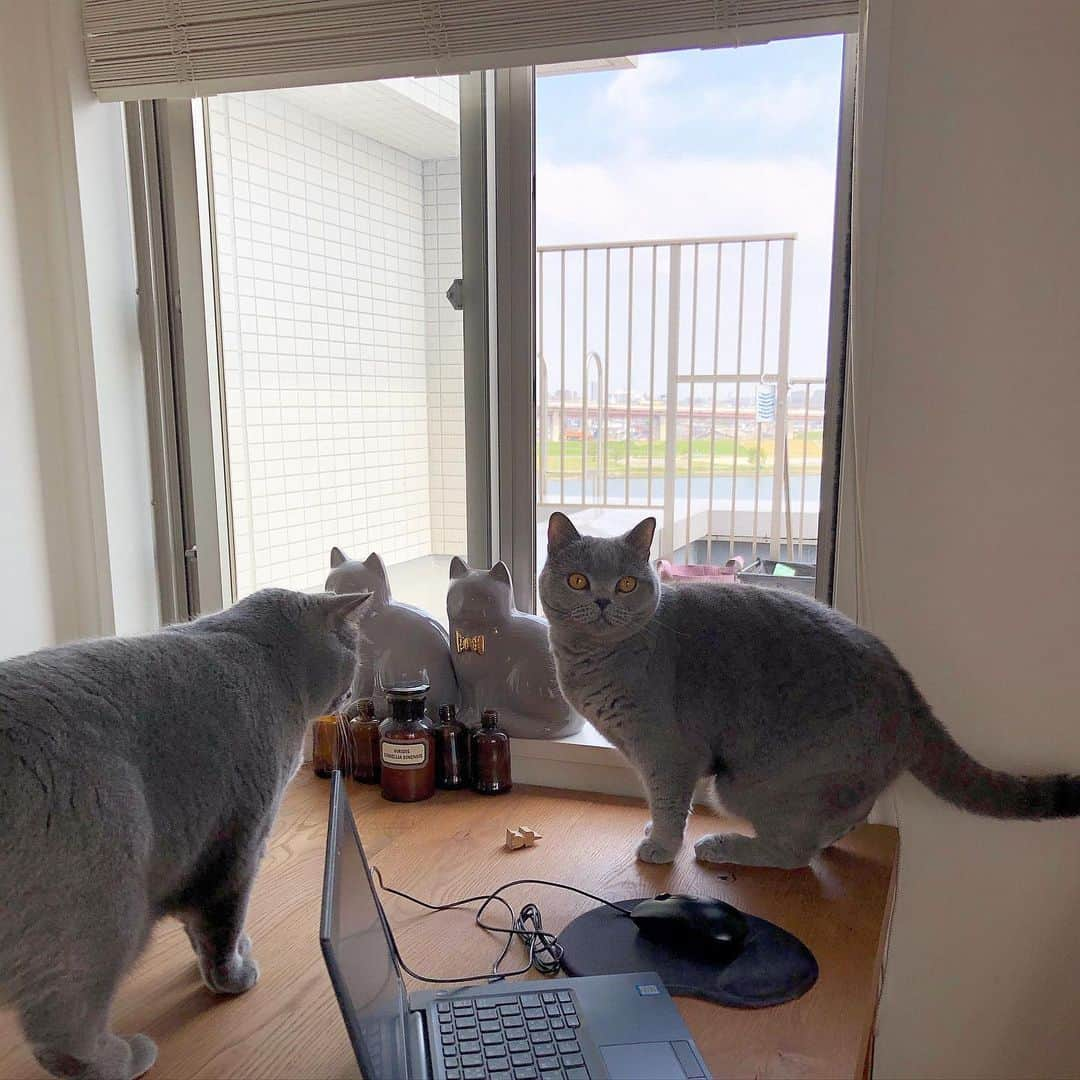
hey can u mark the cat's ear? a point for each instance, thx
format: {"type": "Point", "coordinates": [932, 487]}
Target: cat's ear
{"type": "Point", "coordinates": [640, 538]}
{"type": "Point", "coordinates": [337, 607]}
{"type": "Point", "coordinates": [376, 566]}
{"type": "Point", "coordinates": [561, 531]}
{"type": "Point", "coordinates": [458, 567]}
{"type": "Point", "coordinates": [337, 557]}
{"type": "Point", "coordinates": [501, 572]}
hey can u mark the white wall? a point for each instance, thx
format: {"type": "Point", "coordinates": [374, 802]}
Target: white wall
{"type": "Point", "coordinates": [445, 355]}
{"type": "Point", "coordinates": [75, 521]}
{"type": "Point", "coordinates": [968, 383]}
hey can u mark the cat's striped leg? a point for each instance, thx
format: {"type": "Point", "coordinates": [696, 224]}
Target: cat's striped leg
{"type": "Point", "coordinates": [670, 790]}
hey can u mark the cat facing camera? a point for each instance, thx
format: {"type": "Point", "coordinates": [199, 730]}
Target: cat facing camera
{"type": "Point", "coordinates": [800, 717]}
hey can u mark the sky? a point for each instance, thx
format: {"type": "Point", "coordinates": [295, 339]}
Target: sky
{"type": "Point", "coordinates": [699, 143]}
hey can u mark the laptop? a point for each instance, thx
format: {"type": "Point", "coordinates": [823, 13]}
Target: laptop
{"type": "Point", "coordinates": [620, 1027]}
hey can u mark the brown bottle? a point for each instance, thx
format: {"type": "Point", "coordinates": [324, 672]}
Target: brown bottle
{"type": "Point", "coordinates": [407, 747]}
{"type": "Point", "coordinates": [451, 749]}
{"type": "Point", "coordinates": [364, 741]}
{"type": "Point", "coordinates": [490, 756]}
{"type": "Point", "coordinates": [327, 749]}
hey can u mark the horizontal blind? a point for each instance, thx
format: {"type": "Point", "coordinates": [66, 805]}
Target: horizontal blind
{"type": "Point", "coordinates": [191, 48]}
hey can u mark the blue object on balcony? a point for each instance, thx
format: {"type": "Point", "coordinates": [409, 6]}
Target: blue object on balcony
{"type": "Point", "coordinates": [766, 403]}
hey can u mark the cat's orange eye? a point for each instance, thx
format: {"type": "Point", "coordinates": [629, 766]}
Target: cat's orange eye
{"type": "Point", "coordinates": [577, 581]}
{"type": "Point", "coordinates": [626, 584]}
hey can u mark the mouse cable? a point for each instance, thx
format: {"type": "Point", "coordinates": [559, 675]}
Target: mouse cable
{"type": "Point", "coordinates": [545, 952]}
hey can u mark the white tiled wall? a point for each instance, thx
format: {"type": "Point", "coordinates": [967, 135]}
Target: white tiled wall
{"type": "Point", "coordinates": [446, 388]}
{"type": "Point", "coordinates": [343, 375]}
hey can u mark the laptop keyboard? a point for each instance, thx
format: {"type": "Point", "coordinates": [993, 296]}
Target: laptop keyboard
{"type": "Point", "coordinates": [524, 1037]}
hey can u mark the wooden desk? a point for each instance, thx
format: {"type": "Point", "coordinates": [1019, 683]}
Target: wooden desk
{"type": "Point", "coordinates": [288, 1026]}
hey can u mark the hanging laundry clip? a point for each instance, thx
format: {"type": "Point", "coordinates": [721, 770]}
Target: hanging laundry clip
{"type": "Point", "coordinates": [766, 403]}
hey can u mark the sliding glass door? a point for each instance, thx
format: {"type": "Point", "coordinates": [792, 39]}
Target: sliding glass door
{"type": "Point", "coordinates": [326, 393]}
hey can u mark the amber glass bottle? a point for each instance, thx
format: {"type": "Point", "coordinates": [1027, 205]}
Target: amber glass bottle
{"type": "Point", "coordinates": [451, 749]}
{"type": "Point", "coordinates": [327, 745]}
{"type": "Point", "coordinates": [364, 741]}
{"type": "Point", "coordinates": [490, 756]}
{"type": "Point", "coordinates": [407, 747]}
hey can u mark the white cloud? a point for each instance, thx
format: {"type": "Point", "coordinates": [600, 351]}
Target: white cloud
{"type": "Point", "coordinates": [645, 198]}
{"type": "Point", "coordinates": [778, 109]}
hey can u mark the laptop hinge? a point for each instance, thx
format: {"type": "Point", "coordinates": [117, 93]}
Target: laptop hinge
{"type": "Point", "coordinates": [416, 1047]}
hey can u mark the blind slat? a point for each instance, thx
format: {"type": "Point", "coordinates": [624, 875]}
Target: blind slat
{"type": "Point", "coordinates": [189, 48]}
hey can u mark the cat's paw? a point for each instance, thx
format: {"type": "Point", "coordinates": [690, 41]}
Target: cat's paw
{"type": "Point", "coordinates": [236, 975]}
{"type": "Point", "coordinates": [143, 1054]}
{"type": "Point", "coordinates": [651, 850]}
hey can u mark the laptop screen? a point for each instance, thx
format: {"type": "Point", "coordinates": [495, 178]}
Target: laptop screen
{"type": "Point", "coordinates": [356, 944]}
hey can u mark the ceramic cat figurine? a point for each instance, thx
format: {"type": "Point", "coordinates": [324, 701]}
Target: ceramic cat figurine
{"type": "Point", "coordinates": [139, 777]}
{"type": "Point", "coordinates": [800, 717]}
{"type": "Point", "coordinates": [502, 658]}
{"type": "Point", "coordinates": [397, 641]}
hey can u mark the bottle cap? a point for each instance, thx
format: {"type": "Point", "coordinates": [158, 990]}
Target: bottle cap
{"type": "Point", "coordinates": [410, 692]}
{"type": "Point", "coordinates": [447, 714]}
{"type": "Point", "coordinates": [489, 718]}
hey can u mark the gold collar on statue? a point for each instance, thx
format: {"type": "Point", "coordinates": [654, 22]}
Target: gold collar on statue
{"type": "Point", "coordinates": [465, 643]}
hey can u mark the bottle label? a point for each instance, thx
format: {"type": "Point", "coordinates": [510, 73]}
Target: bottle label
{"type": "Point", "coordinates": [410, 755]}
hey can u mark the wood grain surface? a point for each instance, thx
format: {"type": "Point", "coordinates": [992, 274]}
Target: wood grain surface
{"type": "Point", "coordinates": [289, 1026]}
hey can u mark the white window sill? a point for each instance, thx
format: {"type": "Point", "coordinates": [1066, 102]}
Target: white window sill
{"type": "Point", "coordinates": [582, 762]}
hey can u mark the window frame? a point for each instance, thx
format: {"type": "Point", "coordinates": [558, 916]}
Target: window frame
{"type": "Point", "coordinates": [179, 325]}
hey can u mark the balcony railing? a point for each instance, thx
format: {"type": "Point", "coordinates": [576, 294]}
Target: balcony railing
{"type": "Point", "coordinates": [665, 387]}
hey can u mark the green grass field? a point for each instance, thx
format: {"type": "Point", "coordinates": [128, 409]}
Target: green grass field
{"type": "Point", "coordinates": [722, 454]}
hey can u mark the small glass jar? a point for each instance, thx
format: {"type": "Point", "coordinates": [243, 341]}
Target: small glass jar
{"type": "Point", "coordinates": [451, 749]}
{"type": "Point", "coordinates": [490, 756]}
{"type": "Point", "coordinates": [364, 741]}
{"type": "Point", "coordinates": [327, 746]}
{"type": "Point", "coordinates": [406, 747]}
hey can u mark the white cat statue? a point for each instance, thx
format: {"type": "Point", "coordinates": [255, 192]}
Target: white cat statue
{"type": "Point", "coordinates": [397, 642]}
{"type": "Point", "coordinates": [502, 657]}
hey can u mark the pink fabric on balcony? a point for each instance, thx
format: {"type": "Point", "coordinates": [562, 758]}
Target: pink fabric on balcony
{"type": "Point", "coordinates": [724, 575]}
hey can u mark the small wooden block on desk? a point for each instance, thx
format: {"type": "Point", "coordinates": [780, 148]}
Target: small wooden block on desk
{"type": "Point", "coordinates": [289, 1025]}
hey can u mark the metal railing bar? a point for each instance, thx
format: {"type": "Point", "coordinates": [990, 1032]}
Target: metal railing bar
{"type": "Point", "coordinates": [712, 425]}
{"type": "Point", "coordinates": [584, 372]}
{"type": "Point", "coordinates": [562, 376]}
{"type": "Point", "coordinates": [761, 372]}
{"type": "Point", "coordinates": [690, 419]}
{"type": "Point", "coordinates": [607, 355]}
{"type": "Point", "coordinates": [618, 245]}
{"type": "Point", "coordinates": [629, 364]}
{"type": "Point", "coordinates": [802, 474]}
{"type": "Point", "coordinates": [738, 394]}
{"type": "Point", "coordinates": [543, 418]}
{"type": "Point", "coordinates": [652, 377]}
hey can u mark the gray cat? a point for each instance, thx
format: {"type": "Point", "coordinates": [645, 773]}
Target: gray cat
{"type": "Point", "coordinates": [398, 642]}
{"type": "Point", "coordinates": [799, 716]}
{"type": "Point", "coordinates": [139, 778]}
{"type": "Point", "coordinates": [502, 657]}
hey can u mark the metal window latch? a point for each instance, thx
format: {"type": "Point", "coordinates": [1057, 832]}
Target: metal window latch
{"type": "Point", "coordinates": [191, 553]}
{"type": "Point", "coordinates": [455, 294]}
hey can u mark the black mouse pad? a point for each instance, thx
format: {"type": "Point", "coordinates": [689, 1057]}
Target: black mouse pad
{"type": "Point", "coordinates": [773, 967]}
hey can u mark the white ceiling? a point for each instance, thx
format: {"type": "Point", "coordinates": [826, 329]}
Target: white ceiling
{"type": "Point", "coordinates": [416, 116]}
{"type": "Point", "coordinates": [417, 120]}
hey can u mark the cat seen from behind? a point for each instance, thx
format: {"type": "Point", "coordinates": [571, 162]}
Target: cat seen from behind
{"type": "Point", "coordinates": [398, 643]}
{"type": "Point", "coordinates": [800, 717]}
{"type": "Point", "coordinates": [502, 657]}
{"type": "Point", "coordinates": [139, 777]}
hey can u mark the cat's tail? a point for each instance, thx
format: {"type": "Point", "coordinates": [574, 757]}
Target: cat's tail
{"type": "Point", "coordinates": [951, 772]}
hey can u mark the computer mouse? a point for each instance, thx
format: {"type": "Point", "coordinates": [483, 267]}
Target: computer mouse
{"type": "Point", "coordinates": [695, 926]}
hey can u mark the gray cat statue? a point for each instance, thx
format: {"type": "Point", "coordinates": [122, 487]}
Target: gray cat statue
{"type": "Point", "coordinates": [502, 657]}
{"type": "Point", "coordinates": [397, 642]}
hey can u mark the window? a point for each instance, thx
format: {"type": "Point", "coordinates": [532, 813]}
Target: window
{"type": "Point", "coordinates": [685, 225]}
{"type": "Point", "coordinates": [337, 230]}
{"type": "Point", "coordinates": [382, 343]}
